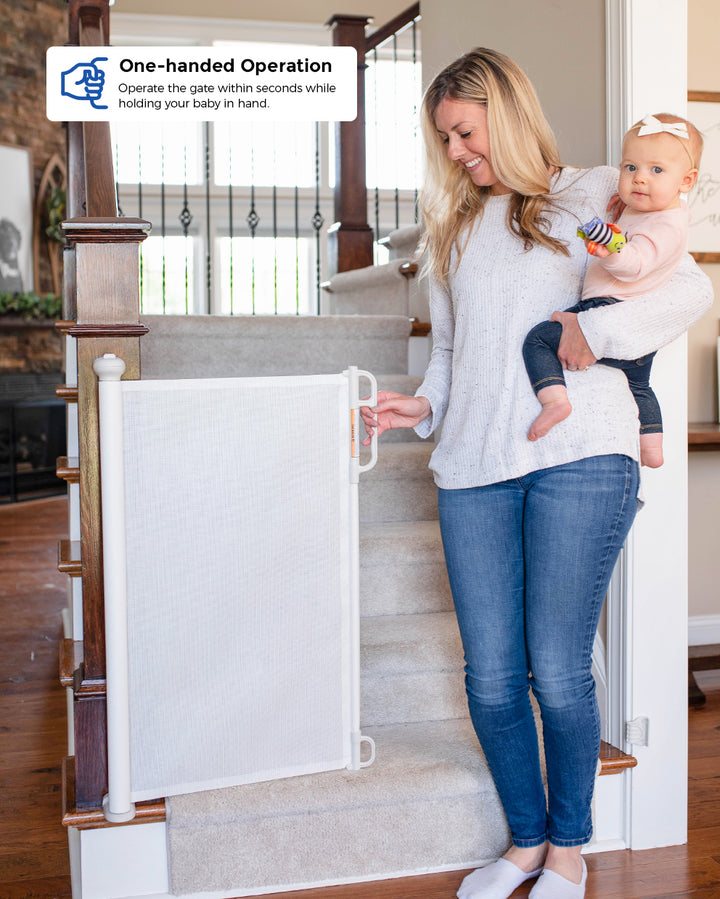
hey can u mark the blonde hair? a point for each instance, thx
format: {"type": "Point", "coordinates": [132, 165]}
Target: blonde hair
{"type": "Point", "coordinates": [693, 145]}
{"type": "Point", "coordinates": [523, 151]}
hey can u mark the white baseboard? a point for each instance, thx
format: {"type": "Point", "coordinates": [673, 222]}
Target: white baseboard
{"type": "Point", "coordinates": [119, 862]}
{"type": "Point", "coordinates": [703, 629]}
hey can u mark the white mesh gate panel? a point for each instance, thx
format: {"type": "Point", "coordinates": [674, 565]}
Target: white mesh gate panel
{"type": "Point", "coordinates": [241, 602]}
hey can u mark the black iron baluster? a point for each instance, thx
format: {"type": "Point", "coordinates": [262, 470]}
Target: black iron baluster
{"type": "Point", "coordinates": [297, 251]}
{"type": "Point", "coordinates": [275, 249]}
{"type": "Point", "coordinates": [274, 222]}
{"type": "Point", "coordinates": [397, 191]}
{"type": "Point", "coordinates": [232, 230]}
{"type": "Point", "coordinates": [253, 220]}
{"type": "Point", "coordinates": [415, 119]}
{"type": "Point", "coordinates": [377, 149]}
{"type": "Point", "coordinates": [162, 218]}
{"type": "Point", "coordinates": [208, 248]}
{"type": "Point", "coordinates": [117, 181]}
{"type": "Point", "coordinates": [317, 220]}
{"type": "Point", "coordinates": [185, 220]}
{"type": "Point", "coordinates": [140, 212]}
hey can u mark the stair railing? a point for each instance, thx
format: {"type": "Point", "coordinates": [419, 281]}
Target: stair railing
{"type": "Point", "coordinates": [101, 308]}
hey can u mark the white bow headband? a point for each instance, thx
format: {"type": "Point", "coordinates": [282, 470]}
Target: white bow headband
{"type": "Point", "coordinates": [652, 125]}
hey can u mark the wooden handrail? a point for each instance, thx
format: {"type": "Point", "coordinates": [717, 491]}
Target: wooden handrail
{"type": "Point", "coordinates": [386, 31]}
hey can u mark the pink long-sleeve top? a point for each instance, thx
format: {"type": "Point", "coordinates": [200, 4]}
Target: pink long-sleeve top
{"type": "Point", "coordinates": [656, 242]}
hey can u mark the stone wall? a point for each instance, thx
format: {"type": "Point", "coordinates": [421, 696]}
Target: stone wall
{"type": "Point", "coordinates": [27, 29]}
{"type": "Point", "coordinates": [29, 346]}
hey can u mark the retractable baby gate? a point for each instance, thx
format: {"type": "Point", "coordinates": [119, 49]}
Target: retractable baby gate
{"type": "Point", "coordinates": [230, 545]}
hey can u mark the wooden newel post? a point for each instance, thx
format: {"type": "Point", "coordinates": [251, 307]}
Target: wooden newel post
{"type": "Point", "coordinates": [105, 264]}
{"type": "Point", "coordinates": [350, 237]}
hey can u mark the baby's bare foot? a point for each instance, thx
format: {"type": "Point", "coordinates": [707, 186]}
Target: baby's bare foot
{"type": "Point", "coordinates": [552, 413]}
{"type": "Point", "coordinates": [651, 451]}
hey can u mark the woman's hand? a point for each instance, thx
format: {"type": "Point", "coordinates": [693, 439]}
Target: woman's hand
{"type": "Point", "coordinates": [394, 410]}
{"type": "Point", "coordinates": [574, 353]}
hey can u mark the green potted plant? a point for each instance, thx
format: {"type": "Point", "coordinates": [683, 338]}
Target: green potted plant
{"type": "Point", "coordinates": [29, 305]}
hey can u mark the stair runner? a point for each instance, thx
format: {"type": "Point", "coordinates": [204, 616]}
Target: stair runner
{"type": "Point", "coordinates": [428, 802]}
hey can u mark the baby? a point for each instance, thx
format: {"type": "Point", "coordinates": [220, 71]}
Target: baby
{"type": "Point", "coordinates": [660, 158]}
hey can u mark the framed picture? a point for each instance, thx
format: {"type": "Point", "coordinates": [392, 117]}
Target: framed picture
{"type": "Point", "coordinates": [704, 199]}
{"type": "Point", "coordinates": [16, 219]}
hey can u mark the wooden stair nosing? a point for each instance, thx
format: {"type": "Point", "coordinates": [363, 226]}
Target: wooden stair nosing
{"type": "Point", "coordinates": [71, 657]}
{"type": "Point", "coordinates": [420, 329]}
{"type": "Point", "coordinates": [67, 392]}
{"type": "Point", "coordinates": [704, 658]}
{"type": "Point", "coordinates": [151, 811]}
{"type": "Point", "coordinates": [68, 469]}
{"type": "Point", "coordinates": [69, 561]}
{"type": "Point", "coordinates": [614, 761]}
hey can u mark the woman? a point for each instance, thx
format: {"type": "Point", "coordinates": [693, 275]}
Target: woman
{"type": "Point", "coordinates": [531, 530]}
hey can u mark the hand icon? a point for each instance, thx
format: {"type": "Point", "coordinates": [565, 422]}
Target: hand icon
{"type": "Point", "coordinates": [84, 81]}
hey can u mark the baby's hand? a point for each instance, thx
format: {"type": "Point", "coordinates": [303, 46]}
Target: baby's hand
{"type": "Point", "coordinates": [597, 249]}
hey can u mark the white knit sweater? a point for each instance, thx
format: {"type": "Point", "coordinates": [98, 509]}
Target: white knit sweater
{"type": "Point", "coordinates": [476, 380]}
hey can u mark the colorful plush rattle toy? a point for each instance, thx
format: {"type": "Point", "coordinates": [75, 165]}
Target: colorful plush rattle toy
{"type": "Point", "coordinates": [602, 233]}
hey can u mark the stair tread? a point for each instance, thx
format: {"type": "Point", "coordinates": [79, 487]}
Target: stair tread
{"type": "Point", "coordinates": [396, 645]}
{"type": "Point", "coordinates": [402, 568]}
{"type": "Point", "coordinates": [406, 813]}
{"type": "Point", "coordinates": [427, 760]}
{"type": "Point", "coordinates": [370, 276]}
{"type": "Point", "coordinates": [402, 542]}
{"type": "Point", "coordinates": [221, 346]}
{"type": "Point", "coordinates": [408, 381]}
{"type": "Point", "coordinates": [403, 460]}
{"type": "Point", "coordinates": [400, 487]}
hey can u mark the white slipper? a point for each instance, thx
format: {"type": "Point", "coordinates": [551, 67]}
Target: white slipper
{"type": "Point", "coordinates": [553, 886]}
{"type": "Point", "coordinates": [498, 880]}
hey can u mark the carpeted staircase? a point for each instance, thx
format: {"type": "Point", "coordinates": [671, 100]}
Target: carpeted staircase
{"type": "Point", "coordinates": [428, 802]}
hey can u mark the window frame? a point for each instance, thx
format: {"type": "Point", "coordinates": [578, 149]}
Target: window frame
{"type": "Point", "coordinates": [154, 30]}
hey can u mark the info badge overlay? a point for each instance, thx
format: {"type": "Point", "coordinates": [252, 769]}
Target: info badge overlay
{"type": "Point", "coordinates": [251, 82]}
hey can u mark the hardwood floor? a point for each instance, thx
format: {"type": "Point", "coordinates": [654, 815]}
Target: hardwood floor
{"type": "Point", "coordinates": [33, 741]}
{"type": "Point", "coordinates": [33, 845]}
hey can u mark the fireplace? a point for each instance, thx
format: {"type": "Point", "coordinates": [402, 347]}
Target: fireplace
{"type": "Point", "coordinates": [32, 435]}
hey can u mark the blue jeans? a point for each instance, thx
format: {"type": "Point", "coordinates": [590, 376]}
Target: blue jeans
{"type": "Point", "coordinates": [544, 368]}
{"type": "Point", "coordinates": [529, 561]}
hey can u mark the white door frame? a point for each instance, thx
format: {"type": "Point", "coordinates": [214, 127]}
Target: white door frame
{"type": "Point", "coordinates": [647, 73]}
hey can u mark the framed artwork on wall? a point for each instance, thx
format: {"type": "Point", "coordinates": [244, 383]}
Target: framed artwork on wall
{"type": "Point", "coordinates": [16, 219]}
{"type": "Point", "coordinates": [704, 199]}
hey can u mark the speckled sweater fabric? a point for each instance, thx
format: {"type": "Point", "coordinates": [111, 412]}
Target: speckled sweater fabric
{"type": "Point", "coordinates": [476, 381]}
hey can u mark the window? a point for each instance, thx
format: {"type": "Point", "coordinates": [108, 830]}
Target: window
{"type": "Point", "coordinates": [268, 275]}
{"type": "Point", "coordinates": [240, 211]}
{"type": "Point", "coordinates": [167, 276]}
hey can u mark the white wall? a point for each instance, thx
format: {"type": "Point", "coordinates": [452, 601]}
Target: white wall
{"type": "Point", "coordinates": [656, 620]}
{"type": "Point", "coordinates": [559, 43]}
{"type": "Point", "coordinates": [704, 468]}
